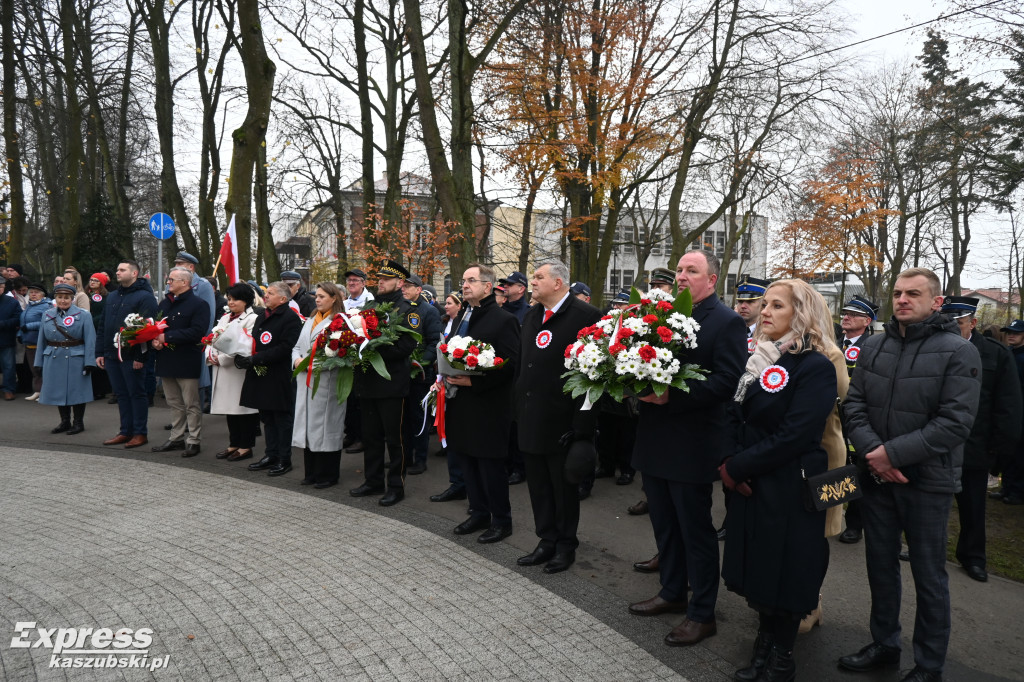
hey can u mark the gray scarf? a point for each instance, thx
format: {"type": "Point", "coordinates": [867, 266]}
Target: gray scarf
{"type": "Point", "coordinates": [765, 355]}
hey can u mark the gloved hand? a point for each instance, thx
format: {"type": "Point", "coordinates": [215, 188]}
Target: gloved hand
{"type": "Point", "coordinates": [87, 371]}
{"type": "Point", "coordinates": [243, 361]}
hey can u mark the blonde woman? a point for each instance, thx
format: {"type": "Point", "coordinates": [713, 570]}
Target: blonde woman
{"type": "Point", "coordinates": [776, 553]}
{"type": "Point", "coordinates": [74, 278]}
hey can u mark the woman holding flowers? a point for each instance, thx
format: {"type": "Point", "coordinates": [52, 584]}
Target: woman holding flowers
{"type": "Point", "coordinates": [775, 548]}
{"type": "Point", "coordinates": [222, 345]}
{"type": "Point", "coordinates": [319, 420]}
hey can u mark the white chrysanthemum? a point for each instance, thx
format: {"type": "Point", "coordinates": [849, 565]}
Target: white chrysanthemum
{"type": "Point", "coordinates": [356, 321]}
{"type": "Point", "coordinates": [659, 295]}
{"type": "Point", "coordinates": [336, 335]}
{"type": "Point", "coordinates": [637, 325]}
{"type": "Point", "coordinates": [330, 353]}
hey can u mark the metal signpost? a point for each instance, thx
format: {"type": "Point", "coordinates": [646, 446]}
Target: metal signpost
{"type": "Point", "coordinates": [161, 226]}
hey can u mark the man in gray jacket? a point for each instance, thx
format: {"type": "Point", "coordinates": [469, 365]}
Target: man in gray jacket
{"type": "Point", "coordinates": [910, 408]}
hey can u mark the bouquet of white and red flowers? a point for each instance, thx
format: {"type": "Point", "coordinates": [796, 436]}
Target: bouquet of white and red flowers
{"type": "Point", "coordinates": [138, 330]}
{"type": "Point", "coordinates": [635, 351]}
{"type": "Point", "coordinates": [467, 354]}
{"type": "Point", "coordinates": [352, 340]}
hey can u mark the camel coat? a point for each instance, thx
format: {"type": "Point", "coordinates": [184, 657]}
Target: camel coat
{"type": "Point", "coordinates": [832, 440]}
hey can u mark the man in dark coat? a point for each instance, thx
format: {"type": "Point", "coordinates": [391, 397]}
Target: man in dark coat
{"type": "Point", "coordinates": [268, 385]}
{"type": "Point", "coordinates": [681, 439]}
{"type": "Point", "coordinates": [126, 371]}
{"type": "Point", "coordinates": [478, 418]}
{"type": "Point", "coordinates": [301, 297]}
{"type": "Point", "coordinates": [515, 295]}
{"type": "Point", "coordinates": [909, 411]}
{"type": "Point", "coordinates": [994, 435]}
{"type": "Point", "coordinates": [547, 419]}
{"type": "Point", "coordinates": [1012, 465]}
{"type": "Point", "coordinates": [382, 401]}
{"type": "Point", "coordinates": [10, 316]}
{"type": "Point", "coordinates": [430, 329]}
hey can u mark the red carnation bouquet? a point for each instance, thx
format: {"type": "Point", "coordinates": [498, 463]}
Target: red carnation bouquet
{"type": "Point", "coordinates": [351, 341]}
{"type": "Point", "coordinates": [137, 330]}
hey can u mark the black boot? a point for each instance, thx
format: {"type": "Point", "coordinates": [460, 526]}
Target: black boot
{"type": "Point", "coordinates": [779, 667]}
{"type": "Point", "coordinates": [78, 425]}
{"type": "Point", "coordinates": [65, 419]}
{"type": "Point", "coordinates": [762, 646]}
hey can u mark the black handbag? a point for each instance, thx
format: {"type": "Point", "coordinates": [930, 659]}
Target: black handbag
{"type": "Point", "coordinates": [835, 486]}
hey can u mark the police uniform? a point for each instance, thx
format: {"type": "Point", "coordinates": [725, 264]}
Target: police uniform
{"type": "Point", "coordinates": [751, 289]}
{"type": "Point", "coordinates": [382, 401]}
{"type": "Point", "coordinates": [429, 328]}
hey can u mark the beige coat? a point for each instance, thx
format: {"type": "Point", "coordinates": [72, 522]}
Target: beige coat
{"type": "Point", "coordinates": [228, 379]}
{"type": "Point", "coordinates": [833, 441]}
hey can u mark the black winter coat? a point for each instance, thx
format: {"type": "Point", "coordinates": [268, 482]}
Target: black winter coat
{"type": "Point", "coordinates": [543, 412]}
{"type": "Point", "coordinates": [997, 425]}
{"type": "Point", "coordinates": [775, 549]}
{"type": "Point", "coordinates": [478, 420]}
{"type": "Point", "coordinates": [188, 318]}
{"type": "Point", "coordinates": [517, 308]}
{"type": "Point", "coordinates": [917, 395]}
{"type": "Point", "coordinates": [10, 319]}
{"type": "Point", "coordinates": [306, 301]}
{"type": "Point", "coordinates": [120, 303]}
{"type": "Point", "coordinates": [685, 439]}
{"type": "Point", "coordinates": [397, 357]}
{"type": "Point", "coordinates": [273, 338]}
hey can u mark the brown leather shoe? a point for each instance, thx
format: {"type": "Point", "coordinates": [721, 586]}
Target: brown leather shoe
{"type": "Point", "coordinates": [655, 606]}
{"type": "Point", "coordinates": [136, 441]}
{"type": "Point", "coordinates": [638, 509]}
{"type": "Point", "coordinates": [8, 395]}
{"type": "Point", "coordinates": [689, 633]}
{"type": "Point", "coordinates": [117, 440]}
{"type": "Point", "coordinates": [649, 566]}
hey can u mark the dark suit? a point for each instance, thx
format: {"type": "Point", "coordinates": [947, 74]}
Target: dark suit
{"type": "Point", "coordinates": [544, 414]}
{"type": "Point", "coordinates": [479, 417]}
{"type": "Point", "coordinates": [274, 335]}
{"type": "Point", "coordinates": [678, 448]}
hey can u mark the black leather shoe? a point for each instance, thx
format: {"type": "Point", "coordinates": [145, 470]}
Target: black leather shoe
{"type": "Point", "coordinates": [76, 428]}
{"type": "Point", "coordinates": [494, 534]}
{"type": "Point", "coordinates": [977, 573]}
{"type": "Point", "coordinates": [225, 453]}
{"type": "Point", "coordinates": [452, 493]}
{"type": "Point", "coordinates": [169, 445]}
{"type": "Point", "coordinates": [61, 428]}
{"type": "Point", "coordinates": [472, 525]}
{"type": "Point", "coordinates": [191, 450]}
{"type": "Point", "coordinates": [391, 497]}
{"type": "Point", "coordinates": [541, 555]}
{"type": "Point", "coordinates": [280, 469]}
{"type": "Point", "coordinates": [516, 478]}
{"type": "Point", "coordinates": [871, 657]}
{"type": "Point", "coordinates": [325, 484]}
{"type": "Point", "coordinates": [417, 469]}
{"type": "Point", "coordinates": [624, 479]}
{"type": "Point", "coordinates": [920, 675]}
{"type": "Point", "coordinates": [366, 490]}
{"type": "Point", "coordinates": [583, 492]}
{"type": "Point", "coordinates": [560, 562]}
{"type": "Point", "coordinates": [308, 481]}
{"type": "Point", "coordinates": [168, 427]}
{"type": "Point", "coordinates": [850, 536]}
{"type": "Point", "coordinates": [264, 463]}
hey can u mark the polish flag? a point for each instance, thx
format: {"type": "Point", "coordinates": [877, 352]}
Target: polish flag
{"type": "Point", "coordinates": [229, 253]}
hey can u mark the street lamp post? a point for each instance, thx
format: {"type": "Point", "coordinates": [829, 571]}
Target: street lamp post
{"type": "Point", "coordinates": [945, 269]}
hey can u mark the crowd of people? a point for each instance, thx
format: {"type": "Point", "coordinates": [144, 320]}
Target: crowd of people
{"type": "Point", "coordinates": [925, 404]}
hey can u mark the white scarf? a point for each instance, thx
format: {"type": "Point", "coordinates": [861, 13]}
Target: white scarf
{"type": "Point", "coordinates": [765, 355]}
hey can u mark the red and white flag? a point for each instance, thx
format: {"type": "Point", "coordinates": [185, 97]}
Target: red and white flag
{"type": "Point", "coordinates": [229, 253]}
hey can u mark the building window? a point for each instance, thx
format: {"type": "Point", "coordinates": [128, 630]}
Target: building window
{"type": "Point", "coordinates": [730, 284]}
{"type": "Point", "coordinates": [620, 279]}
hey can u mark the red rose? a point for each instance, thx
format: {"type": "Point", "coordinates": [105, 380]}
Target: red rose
{"type": "Point", "coordinates": [665, 333]}
{"type": "Point", "coordinates": [647, 353]}
{"type": "Point", "coordinates": [616, 348]}
{"type": "Point", "coordinates": [663, 305]}
{"type": "Point", "coordinates": [471, 361]}
{"type": "Point", "coordinates": [458, 353]}
{"type": "Point", "coordinates": [443, 347]}
{"type": "Point", "coordinates": [498, 362]}
{"type": "Point", "coordinates": [337, 323]}
{"type": "Point", "coordinates": [650, 318]}
{"type": "Point", "coordinates": [473, 350]}
{"type": "Point", "coordinates": [333, 344]}
{"type": "Point", "coordinates": [342, 352]}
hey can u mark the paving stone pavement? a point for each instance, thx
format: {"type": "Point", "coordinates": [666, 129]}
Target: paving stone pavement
{"type": "Point", "coordinates": [239, 580]}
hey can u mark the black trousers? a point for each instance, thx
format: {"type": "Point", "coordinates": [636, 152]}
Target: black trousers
{"type": "Point", "coordinates": [322, 467]}
{"type": "Point", "coordinates": [970, 546]}
{"type": "Point", "coordinates": [615, 437]}
{"type": "Point", "coordinates": [382, 427]}
{"type": "Point", "coordinates": [487, 488]}
{"type": "Point", "coordinates": [555, 501]}
{"type": "Point", "coordinates": [415, 445]}
{"type": "Point", "coordinates": [514, 461]}
{"type": "Point", "coordinates": [277, 434]}
{"type": "Point", "coordinates": [353, 419]}
{"type": "Point", "coordinates": [242, 430]}
{"type": "Point", "coordinates": [687, 543]}
{"type": "Point", "coordinates": [854, 519]}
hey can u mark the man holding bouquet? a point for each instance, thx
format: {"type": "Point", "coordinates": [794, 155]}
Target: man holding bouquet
{"type": "Point", "coordinates": [548, 419]}
{"type": "Point", "coordinates": [478, 417]}
{"type": "Point", "coordinates": [681, 439]}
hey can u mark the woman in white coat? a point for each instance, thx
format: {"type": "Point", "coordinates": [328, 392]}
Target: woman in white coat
{"type": "Point", "coordinates": [319, 427]}
{"type": "Point", "coordinates": [235, 338]}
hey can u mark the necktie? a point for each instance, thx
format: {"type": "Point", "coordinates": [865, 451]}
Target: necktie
{"type": "Point", "coordinates": [847, 343]}
{"type": "Point", "coordinates": [548, 314]}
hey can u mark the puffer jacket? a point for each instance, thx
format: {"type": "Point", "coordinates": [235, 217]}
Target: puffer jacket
{"type": "Point", "coordinates": [30, 318]}
{"type": "Point", "coordinates": [917, 395]}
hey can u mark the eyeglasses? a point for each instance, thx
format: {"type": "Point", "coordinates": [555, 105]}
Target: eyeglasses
{"type": "Point", "coordinates": [471, 280]}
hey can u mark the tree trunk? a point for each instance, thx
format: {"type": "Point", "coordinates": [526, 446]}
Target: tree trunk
{"type": "Point", "coordinates": [12, 145]}
{"type": "Point", "coordinates": [251, 135]}
{"type": "Point", "coordinates": [73, 139]}
{"type": "Point", "coordinates": [266, 232]}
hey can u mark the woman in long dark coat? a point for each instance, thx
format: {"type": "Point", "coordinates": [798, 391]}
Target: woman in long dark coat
{"type": "Point", "coordinates": [775, 548]}
{"type": "Point", "coordinates": [97, 292]}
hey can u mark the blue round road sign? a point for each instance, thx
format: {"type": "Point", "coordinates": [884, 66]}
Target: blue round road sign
{"type": "Point", "coordinates": [161, 226]}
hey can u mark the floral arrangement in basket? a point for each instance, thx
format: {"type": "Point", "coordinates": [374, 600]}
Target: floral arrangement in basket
{"type": "Point", "coordinates": [635, 351]}
{"type": "Point", "coordinates": [138, 330]}
{"type": "Point", "coordinates": [352, 340]}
